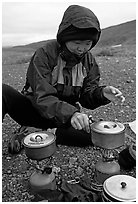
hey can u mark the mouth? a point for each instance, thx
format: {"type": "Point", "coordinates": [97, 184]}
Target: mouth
{"type": "Point", "coordinates": [79, 53]}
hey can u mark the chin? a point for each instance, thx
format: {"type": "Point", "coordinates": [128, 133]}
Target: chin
{"type": "Point", "coordinates": [79, 54]}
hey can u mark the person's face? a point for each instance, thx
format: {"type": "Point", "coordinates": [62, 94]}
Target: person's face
{"type": "Point", "coordinates": [79, 47]}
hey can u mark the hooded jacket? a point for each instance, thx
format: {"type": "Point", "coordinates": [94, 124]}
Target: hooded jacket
{"type": "Point", "coordinates": [52, 95]}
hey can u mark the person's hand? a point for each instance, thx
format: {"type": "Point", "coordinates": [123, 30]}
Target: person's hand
{"type": "Point", "coordinates": [113, 94]}
{"type": "Point", "coordinates": [80, 121]}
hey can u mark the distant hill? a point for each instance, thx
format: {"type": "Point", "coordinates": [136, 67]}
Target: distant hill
{"type": "Point", "coordinates": [124, 34]}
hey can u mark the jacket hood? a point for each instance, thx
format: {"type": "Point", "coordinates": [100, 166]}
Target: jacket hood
{"type": "Point", "coordinates": [81, 18]}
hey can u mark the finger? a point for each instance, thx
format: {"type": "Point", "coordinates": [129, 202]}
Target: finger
{"type": "Point", "coordinates": [81, 120]}
{"type": "Point", "coordinates": [87, 124]}
{"type": "Point", "coordinates": [116, 91]}
{"type": "Point", "coordinates": [76, 125]}
{"type": "Point", "coordinates": [113, 91]}
{"type": "Point", "coordinates": [119, 99]}
{"type": "Point", "coordinates": [87, 128]}
{"type": "Point", "coordinates": [118, 94]}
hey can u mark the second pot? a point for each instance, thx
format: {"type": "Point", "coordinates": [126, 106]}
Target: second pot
{"type": "Point", "coordinates": [108, 134]}
{"type": "Point", "coordinates": [119, 188]}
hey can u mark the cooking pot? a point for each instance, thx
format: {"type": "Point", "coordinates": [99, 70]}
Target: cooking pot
{"type": "Point", "coordinates": [108, 134]}
{"type": "Point", "coordinates": [119, 188]}
{"type": "Point", "coordinates": [39, 145]}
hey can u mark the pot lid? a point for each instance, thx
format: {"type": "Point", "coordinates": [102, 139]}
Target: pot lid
{"type": "Point", "coordinates": [121, 187]}
{"type": "Point", "coordinates": [39, 139]}
{"type": "Point", "coordinates": [108, 127]}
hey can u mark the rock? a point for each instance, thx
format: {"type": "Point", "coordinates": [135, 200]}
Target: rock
{"type": "Point", "coordinates": [9, 172]}
{"type": "Point", "coordinates": [72, 160]}
{"type": "Point", "coordinates": [129, 81]}
{"type": "Point", "coordinates": [79, 171]}
{"type": "Point", "coordinates": [8, 158]}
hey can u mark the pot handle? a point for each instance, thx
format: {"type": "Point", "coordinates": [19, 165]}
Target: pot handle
{"type": "Point", "coordinates": [123, 184]}
{"type": "Point", "coordinates": [38, 136]}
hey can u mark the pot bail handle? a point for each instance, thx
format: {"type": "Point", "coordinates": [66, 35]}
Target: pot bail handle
{"type": "Point", "coordinates": [91, 119]}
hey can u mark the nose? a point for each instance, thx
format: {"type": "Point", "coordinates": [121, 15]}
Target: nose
{"type": "Point", "coordinates": [81, 49]}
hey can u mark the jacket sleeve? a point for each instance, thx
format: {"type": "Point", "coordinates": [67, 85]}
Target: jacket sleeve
{"type": "Point", "coordinates": [92, 94]}
{"type": "Point", "coordinates": [45, 95]}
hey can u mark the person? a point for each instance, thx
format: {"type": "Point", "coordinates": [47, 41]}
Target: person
{"type": "Point", "coordinates": [60, 75]}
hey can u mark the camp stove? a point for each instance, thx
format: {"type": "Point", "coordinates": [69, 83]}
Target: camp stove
{"type": "Point", "coordinates": [39, 148]}
{"type": "Point", "coordinates": [106, 166]}
{"type": "Point", "coordinates": [109, 136]}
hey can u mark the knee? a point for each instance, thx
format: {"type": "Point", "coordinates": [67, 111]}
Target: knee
{"type": "Point", "coordinates": [7, 93]}
{"type": "Point", "coordinates": [5, 89]}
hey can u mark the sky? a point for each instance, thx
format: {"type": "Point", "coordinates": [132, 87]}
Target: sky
{"type": "Point", "coordinates": [28, 22]}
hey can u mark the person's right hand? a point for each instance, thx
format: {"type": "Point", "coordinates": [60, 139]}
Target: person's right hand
{"type": "Point", "coordinates": [80, 121]}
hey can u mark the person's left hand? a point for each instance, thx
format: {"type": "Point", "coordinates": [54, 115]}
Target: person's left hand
{"type": "Point", "coordinates": [113, 94]}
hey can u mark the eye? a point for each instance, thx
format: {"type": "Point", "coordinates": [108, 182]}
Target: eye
{"type": "Point", "coordinates": [77, 43]}
{"type": "Point", "coordinates": [89, 43]}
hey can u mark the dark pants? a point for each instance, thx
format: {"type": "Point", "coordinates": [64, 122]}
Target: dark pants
{"type": "Point", "coordinates": [20, 109]}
